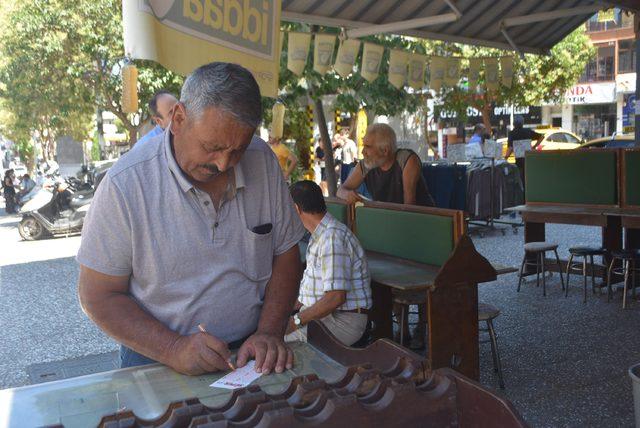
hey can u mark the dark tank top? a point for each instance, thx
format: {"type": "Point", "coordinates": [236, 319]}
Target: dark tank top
{"type": "Point", "coordinates": [386, 186]}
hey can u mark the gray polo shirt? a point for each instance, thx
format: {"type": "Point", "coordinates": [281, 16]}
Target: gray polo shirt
{"type": "Point", "coordinates": [188, 263]}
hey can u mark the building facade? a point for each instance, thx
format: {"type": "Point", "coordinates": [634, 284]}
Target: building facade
{"type": "Point", "coordinates": [602, 102]}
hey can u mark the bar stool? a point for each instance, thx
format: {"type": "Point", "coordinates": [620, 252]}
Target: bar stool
{"type": "Point", "coordinates": [405, 299]}
{"type": "Point", "coordinates": [488, 313]}
{"type": "Point", "coordinates": [539, 249]}
{"type": "Point", "coordinates": [628, 259]}
{"type": "Point", "coordinates": [587, 254]}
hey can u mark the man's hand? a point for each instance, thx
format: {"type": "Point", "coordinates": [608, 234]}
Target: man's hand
{"type": "Point", "coordinates": [198, 353]}
{"type": "Point", "coordinates": [351, 196]}
{"type": "Point", "coordinates": [269, 351]}
{"type": "Point", "coordinates": [291, 326]}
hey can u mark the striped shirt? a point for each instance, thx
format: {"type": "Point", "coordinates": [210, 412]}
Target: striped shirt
{"type": "Point", "coordinates": [336, 261]}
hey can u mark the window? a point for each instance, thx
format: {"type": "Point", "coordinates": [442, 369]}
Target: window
{"type": "Point", "coordinates": [558, 137]}
{"type": "Point", "coordinates": [571, 139]}
{"type": "Point", "coordinates": [626, 56]}
{"type": "Point", "coordinates": [601, 68]}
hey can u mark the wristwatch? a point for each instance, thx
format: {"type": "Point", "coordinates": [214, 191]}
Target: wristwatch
{"type": "Point", "coordinates": [297, 321]}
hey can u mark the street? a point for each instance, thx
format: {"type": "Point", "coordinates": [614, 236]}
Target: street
{"type": "Point", "coordinates": [40, 319]}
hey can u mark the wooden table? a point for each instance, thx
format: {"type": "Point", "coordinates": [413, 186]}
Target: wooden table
{"type": "Point", "coordinates": [392, 273]}
{"type": "Point", "coordinates": [611, 220]}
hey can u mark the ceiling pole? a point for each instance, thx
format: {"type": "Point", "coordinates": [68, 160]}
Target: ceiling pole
{"type": "Point", "coordinates": [410, 24]}
{"type": "Point", "coordinates": [549, 16]}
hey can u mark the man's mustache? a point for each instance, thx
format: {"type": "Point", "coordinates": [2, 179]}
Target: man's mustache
{"type": "Point", "coordinates": [210, 167]}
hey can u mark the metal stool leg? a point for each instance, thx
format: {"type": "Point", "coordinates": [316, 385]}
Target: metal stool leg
{"type": "Point", "coordinates": [566, 290]}
{"type": "Point", "coordinates": [584, 278]}
{"type": "Point", "coordinates": [559, 268]}
{"type": "Point", "coordinates": [625, 264]}
{"type": "Point", "coordinates": [593, 277]}
{"type": "Point", "coordinates": [609, 290]}
{"type": "Point", "coordinates": [537, 269]}
{"type": "Point", "coordinates": [522, 271]}
{"type": "Point", "coordinates": [496, 354]}
{"type": "Point", "coordinates": [633, 279]}
{"type": "Point", "coordinates": [544, 281]}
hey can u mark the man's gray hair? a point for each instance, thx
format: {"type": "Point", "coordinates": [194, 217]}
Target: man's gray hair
{"type": "Point", "coordinates": [226, 86]}
{"type": "Point", "coordinates": [385, 136]}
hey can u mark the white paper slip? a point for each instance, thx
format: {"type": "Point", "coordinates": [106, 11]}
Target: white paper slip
{"type": "Point", "coordinates": [239, 378]}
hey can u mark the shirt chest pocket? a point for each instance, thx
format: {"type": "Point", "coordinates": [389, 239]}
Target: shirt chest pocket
{"type": "Point", "coordinates": [258, 255]}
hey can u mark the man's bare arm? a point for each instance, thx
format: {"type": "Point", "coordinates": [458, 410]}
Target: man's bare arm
{"type": "Point", "coordinates": [410, 176]}
{"type": "Point", "coordinates": [106, 300]}
{"type": "Point", "coordinates": [330, 301]}
{"type": "Point", "coordinates": [347, 190]}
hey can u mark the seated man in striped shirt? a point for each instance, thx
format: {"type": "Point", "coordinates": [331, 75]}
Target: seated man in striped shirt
{"type": "Point", "coordinates": [335, 287]}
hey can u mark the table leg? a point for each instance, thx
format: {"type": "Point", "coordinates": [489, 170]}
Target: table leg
{"type": "Point", "coordinates": [533, 232]}
{"type": "Point", "coordinates": [381, 312]}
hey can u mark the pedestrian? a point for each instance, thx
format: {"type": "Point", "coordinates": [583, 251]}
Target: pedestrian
{"type": "Point", "coordinates": [9, 192]}
{"type": "Point", "coordinates": [160, 107]}
{"type": "Point", "coordinates": [196, 228]}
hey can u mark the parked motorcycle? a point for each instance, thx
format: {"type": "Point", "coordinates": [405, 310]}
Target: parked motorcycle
{"type": "Point", "coordinates": [57, 208]}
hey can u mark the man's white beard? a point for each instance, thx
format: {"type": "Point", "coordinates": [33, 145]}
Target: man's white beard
{"type": "Point", "coordinates": [372, 163]}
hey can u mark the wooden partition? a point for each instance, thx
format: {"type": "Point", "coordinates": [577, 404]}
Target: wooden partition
{"type": "Point", "coordinates": [572, 177]}
{"type": "Point", "coordinates": [420, 234]}
{"type": "Point", "coordinates": [630, 178]}
{"type": "Point", "coordinates": [340, 209]}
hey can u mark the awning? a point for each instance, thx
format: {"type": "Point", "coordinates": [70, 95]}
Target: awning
{"type": "Point", "coordinates": [533, 26]}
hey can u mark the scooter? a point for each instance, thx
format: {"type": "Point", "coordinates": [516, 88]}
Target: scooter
{"type": "Point", "coordinates": [54, 210]}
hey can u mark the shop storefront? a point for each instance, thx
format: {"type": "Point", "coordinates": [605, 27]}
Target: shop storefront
{"type": "Point", "coordinates": [594, 109]}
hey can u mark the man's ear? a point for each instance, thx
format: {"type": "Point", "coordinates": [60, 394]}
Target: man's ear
{"type": "Point", "coordinates": [298, 210]}
{"type": "Point", "coordinates": [178, 118]}
{"type": "Point", "coordinates": [156, 120]}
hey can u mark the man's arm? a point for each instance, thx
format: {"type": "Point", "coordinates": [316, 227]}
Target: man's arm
{"type": "Point", "coordinates": [347, 190]}
{"type": "Point", "coordinates": [293, 161]}
{"type": "Point", "coordinates": [266, 345]}
{"type": "Point", "coordinates": [330, 301]}
{"type": "Point", "coordinates": [410, 176]}
{"type": "Point", "coordinates": [106, 300]}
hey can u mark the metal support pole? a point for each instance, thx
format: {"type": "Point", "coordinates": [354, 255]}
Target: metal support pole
{"type": "Point", "coordinates": [636, 25]}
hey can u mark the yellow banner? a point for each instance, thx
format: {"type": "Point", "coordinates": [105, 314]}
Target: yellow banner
{"type": "Point", "coordinates": [491, 73]}
{"type": "Point", "coordinates": [453, 71]}
{"type": "Point", "coordinates": [346, 58]}
{"type": "Point", "coordinates": [371, 60]}
{"type": "Point", "coordinates": [324, 45]}
{"type": "Point", "coordinates": [398, 68]}
{"type": "Point", "coordinates": [606, 15]}
{"type": "Point", "coordinates": [183, 35]}
{"type": "Point", "coordinates": [417, 64]}
{"type": "Point", "coordinates": [438, 69]}
{"type": "Point", "coordinates": [361, 130]}
{"type": "Point", "coordinates": [506, 67]}
{"type": "Point", "coordinates": [475, 65]}
{"type": "Point", "coordinates": [297, 52]}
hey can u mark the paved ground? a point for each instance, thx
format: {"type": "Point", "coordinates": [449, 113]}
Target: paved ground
{"type": "Point", "coordinates": [565, 362]}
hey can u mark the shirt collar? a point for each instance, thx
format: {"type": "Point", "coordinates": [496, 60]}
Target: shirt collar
{"type": "Point", "coordinates": [182, 180]}
{"type": "Point", "coordinates": [322, 225]}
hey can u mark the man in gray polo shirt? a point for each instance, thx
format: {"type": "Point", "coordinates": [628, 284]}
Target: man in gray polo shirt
{"type": "Point", "coordinates": [196, 227]}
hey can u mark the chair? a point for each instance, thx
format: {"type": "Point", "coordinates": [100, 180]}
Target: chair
{"type": "Point", "coordinates": [587, 254]}
{"type": "Point", "coordinates": [628, 259]}
{"type": "Point", "coordinates": [488, 313]}
{"type": "Point", "coordinates": [405, 299]}
{"type": "Point", "coordinates": [539, 249]}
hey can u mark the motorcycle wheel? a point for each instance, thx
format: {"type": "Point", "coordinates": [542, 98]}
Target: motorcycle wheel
{"type": "Point", "coordinates": [30, 230]}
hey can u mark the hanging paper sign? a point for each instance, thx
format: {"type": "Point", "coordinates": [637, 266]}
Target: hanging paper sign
{"type": "Point", "coordinates": [453, 71]}
{"type": "Point", "coordinates": [398, 68]}
{"type": "Point", "coordinates": [520, 147]}
{"type": "Point", "coordinates": [438, 69]}
{"type": "Point", "coordinates": [371, 60]}
{"type": "Point", "coordinates": [506, 66]}
{"type": "Point", "coordinates": [417, 65]}
{"type": "Point", "coordinates": [298, 51]}
{"type": "Point", "coordinates": [475, 65]}
{"type": "Point", "coordinates": [492, 149]}
{"type": "Point", "coordinates": [491, 73]}
{"type": "Point", "coordinates": [323, 52]}
{"type": "Point", "coordinates": [346, 58]}
{"type": "Point", "coordinates": [245, 33]}
{"type": "Point", "coordinates": [456, 152]}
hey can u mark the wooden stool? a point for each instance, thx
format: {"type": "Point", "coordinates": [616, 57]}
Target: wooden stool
{"type": "Point", "coordinates": [487, 313]}
{"type": "Point", "coordinates": [405, 299]}
{"type": "Point", "coordinates": [587, 254]}
{"type": "Point", "coordinates": [629, 259]}
{"type": "Point", "coordinates": [539, 249]}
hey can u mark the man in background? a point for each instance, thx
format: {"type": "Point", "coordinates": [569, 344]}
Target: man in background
{"type": "Point", "coordinates": [519, 132]}
{"type": "Point", "coordinates": [160, 107]}
{"type": "Point", "coordinates": [286, 159]}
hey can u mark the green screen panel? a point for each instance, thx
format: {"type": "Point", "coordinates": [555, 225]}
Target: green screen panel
{"type": "Point", "coordinates": [423, 238]}
{"type": "Point", "coordinates": [632, 179]}
{"type": "Point", "coordinates": [339, 211]}
{"type": "Point", "coordinates": [586, 177]}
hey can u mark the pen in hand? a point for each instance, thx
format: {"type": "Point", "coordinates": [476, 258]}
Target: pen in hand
{"type": "Point", "coordinates": [229, 363]}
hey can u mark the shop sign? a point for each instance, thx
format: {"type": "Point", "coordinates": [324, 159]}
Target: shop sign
{"type": "Point", "coordinates": [531, 114]}
{"type": "Point", "coordinates": [626, 83]}
{"type": "Point", "coordinates": [591, 93]}
{"type": "Point", "coordinates": [628, 110]}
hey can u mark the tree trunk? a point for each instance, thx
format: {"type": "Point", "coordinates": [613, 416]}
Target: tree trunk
{"type": "Point", "coordinates": [329, 166]}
